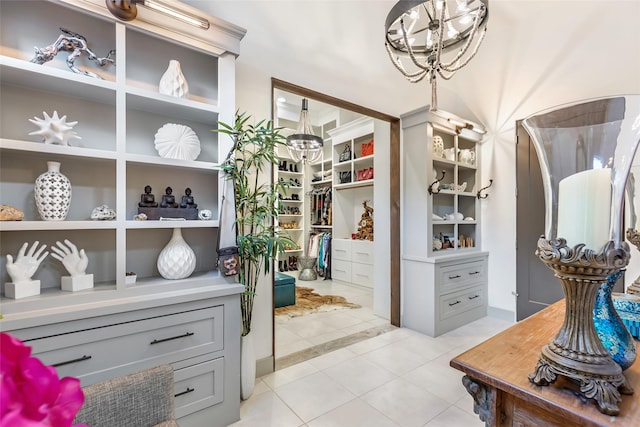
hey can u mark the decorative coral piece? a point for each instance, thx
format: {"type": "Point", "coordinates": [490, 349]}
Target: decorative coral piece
{"type": "Point", "coordinates": [54, 129]}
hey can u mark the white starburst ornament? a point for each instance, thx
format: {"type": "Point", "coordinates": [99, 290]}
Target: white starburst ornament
{"type": "Point", "coordinates": [54, 129]}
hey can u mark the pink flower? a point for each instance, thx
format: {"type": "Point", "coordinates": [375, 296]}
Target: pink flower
{"type": "Point", "coordinates": [31, 394]}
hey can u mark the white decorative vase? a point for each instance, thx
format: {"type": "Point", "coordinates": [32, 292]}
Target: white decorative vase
{"type": "Point", "coordinates": [177, 260]}
{"type": "Point", "coordinates": [247, 366]}
{"type": "Point", "coordinates": [53, 194]}
{"type": "Point", "coordinates": [173, 82]}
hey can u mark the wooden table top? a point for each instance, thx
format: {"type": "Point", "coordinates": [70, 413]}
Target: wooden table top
{"type": "Point", "coordinates": [506, 360]}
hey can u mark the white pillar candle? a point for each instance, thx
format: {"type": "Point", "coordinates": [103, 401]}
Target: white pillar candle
{"type": "Point", "coordinates": [584, 201]}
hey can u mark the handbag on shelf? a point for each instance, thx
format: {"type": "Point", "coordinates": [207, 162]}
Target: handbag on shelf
{"type": "Point", "coordinates": [345, 177]}
{"type": "Point", "coordinates": [365, 174]}
{"type": "Point", "coordinates": [346, 154]}
{"type": "Point", "coordinates": [366, 149]}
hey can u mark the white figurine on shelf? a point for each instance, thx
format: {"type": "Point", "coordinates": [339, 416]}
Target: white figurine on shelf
{"type": "Point", "coordinates": [22, 270]}
{"type": "Point", "coordinates": [76, 264]}
{"type": "Point", "coordinates": [54, 129]}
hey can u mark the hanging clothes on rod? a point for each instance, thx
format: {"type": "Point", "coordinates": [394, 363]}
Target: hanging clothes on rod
{"type": "Point", "coordinates": [320, 248]}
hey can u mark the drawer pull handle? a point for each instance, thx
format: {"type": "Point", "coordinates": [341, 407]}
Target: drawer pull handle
{"type": "Point", "coordinates": [457, 276]}
{"type": "Point", "coordinates": [473, 273]}
{"type": "Point", "coordinates": [451, 304]}
{"type": "Point", "coordinates": [188, 334]}
{"type": "Point", "coordinates": [363, 253]}
{"type": "Point", "coordinates": [68, 362]}
{"type": "Point", "coordinates": [182, 393]}
{"type": "Point", "coordinates": [474, 297]}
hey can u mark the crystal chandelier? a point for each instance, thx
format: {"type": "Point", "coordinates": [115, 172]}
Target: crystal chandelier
{"type": "Point", "coordinates": [303, 145]}
{"type": "Point", "coordinates": [424, 32]}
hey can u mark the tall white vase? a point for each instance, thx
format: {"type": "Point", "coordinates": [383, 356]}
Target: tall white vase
{"type": "Point", "coordinates": [176, 260]}
{"type": "Point", "coordinates": [247, 366]}
{"type": "Point", "coordinates": [173, 82]}
{"type": "Point", "coordinates": [53, 194]}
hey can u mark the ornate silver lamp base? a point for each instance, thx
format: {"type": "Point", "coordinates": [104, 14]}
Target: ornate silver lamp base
{"type": "Point", "coordinates": [576, 351]}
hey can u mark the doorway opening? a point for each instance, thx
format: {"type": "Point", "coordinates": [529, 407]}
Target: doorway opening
{"type": "Point", "coordinates": [327, 209]}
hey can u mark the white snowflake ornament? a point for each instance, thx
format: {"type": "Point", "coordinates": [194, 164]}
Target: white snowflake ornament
{"type": "Point", "coordinates": [54, 129]}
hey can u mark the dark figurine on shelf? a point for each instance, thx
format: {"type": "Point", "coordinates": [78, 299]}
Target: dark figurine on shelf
{"type": "Point", "coordinates": [147, 200]}
{"type": "Point", "coordinates": [187, 200]}
{"type": "Point", "coordinates": [168, 200]}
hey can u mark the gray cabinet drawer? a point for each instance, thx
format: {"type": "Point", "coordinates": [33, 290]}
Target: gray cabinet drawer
{"type": "Point", "coordinates": [455, 304]}
{"type": "Point", "coordinates": [456, 276]}
{"type": "Point", "coordinates": [199, 386]}
{"type": "Point", "coordinates": [151, 341]}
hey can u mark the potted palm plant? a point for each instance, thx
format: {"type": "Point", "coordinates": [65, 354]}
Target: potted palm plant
{"type": "Point", "coordinates": [257, 205]}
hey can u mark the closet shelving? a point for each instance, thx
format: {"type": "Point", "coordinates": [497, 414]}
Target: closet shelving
{"type": "Point", "coordinates": [118, 116]}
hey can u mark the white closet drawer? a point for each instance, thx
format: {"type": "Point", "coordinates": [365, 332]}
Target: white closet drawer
{"type": "Point", "coordinates": [362, 251]}
{"type": "Point", "coordinates": [150, 341]}
{"type": "Point", "coordinates": [341, 270]}
{"type": "Point", "coordinates": [199, 386]}
{"type": "Point", "coordinates": [362, 274]}
{"type": "Point", "coordinates": [456, 276]}
{"type": "Point", "coordinates": [341, 249]}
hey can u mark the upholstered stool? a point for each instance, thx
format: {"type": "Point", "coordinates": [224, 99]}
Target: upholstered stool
{"type": "Point", "coordinates": [284, 290]}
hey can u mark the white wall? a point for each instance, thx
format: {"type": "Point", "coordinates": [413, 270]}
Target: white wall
{"type": "Point", "coordinates": [537, 54]}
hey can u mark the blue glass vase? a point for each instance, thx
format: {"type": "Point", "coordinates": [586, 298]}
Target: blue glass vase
{"type": "Point", "coordinates": [612, 333]}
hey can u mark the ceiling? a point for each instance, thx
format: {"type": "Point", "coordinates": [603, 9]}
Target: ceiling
{"type": "Point", "coordinates": [537, 53]}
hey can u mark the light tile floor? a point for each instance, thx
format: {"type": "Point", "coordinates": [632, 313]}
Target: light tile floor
{"type": "Point", "coordinates": [299, 333]}
{"type": "Point", "coordinates": [399, 378]}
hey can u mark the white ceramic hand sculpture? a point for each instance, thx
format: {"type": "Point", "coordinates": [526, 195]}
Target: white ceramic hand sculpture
{"type": "Point", "coordinates": [26, 264]}
{"type": "Point", "coordinates": [75, 262]}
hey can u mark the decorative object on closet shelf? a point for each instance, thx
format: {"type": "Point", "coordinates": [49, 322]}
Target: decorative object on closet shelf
{"type": "Point", "coordinates": [52, 193]}
{"type": "Point", "coordinates": [147, 199]}
{"type": "Point", "coordinates": [365, 174]}
{"type": "Point", "coordinates": [437, 146]}
{"type": "Point", "coordinates": [584, 239]}
{"type": "Point", "coordinates": [345, 177]}
{"type": "Point", "coordinates": [205, 215]}
{"type": "Point", "coordinates": [177, 260]}
{"type": "Point", "coordinates": [75, 262]}
{"type": "Point", "coordinates": [467, 156]}
{"type": "Point", "coordinates": [130, 278]}
{"type": "Point", "coordinates": [435, 186]}
{"type": "Point", "coordinates": [169, 208]}
{"type": "Point", "coordinates": [449, 154]}
{"type": "Point", "coordinates": [612, 332]}
{"type": "Point", "coordinates": [77, 45]}
{"type": "Point", "coordinates": [103, 213]}
{"type": "Point", "coordinates": [22, 270]}
{"type": "Point", "coordinates": [345, 156]}
{"type": "Point", "coordinates": [54, 129]}
{"type": "Point", "coordinates": [366, 149]}
{"type": "Point", "coordinates": [173, 82]}
{"type": "Point", "coordinates": [10, 213]}
{"type": "Point", "coordinates": [426, 31]}
{"type": "Point", "coordinates": [365, 225]}
{"type": "Point", "coordinates": [303, 145]}
{"type": "Point", "coordinates": [175, 141]}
